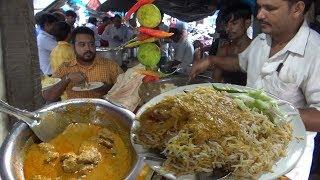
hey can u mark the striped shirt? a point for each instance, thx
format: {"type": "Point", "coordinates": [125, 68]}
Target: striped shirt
{"type": "Point", "coordinates": [102, 70]}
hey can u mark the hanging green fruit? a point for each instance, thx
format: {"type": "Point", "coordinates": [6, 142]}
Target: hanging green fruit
{"type": "Point", "coordinates": [149, 16]}
{"type": "Point", "coordinates": [149, 54]}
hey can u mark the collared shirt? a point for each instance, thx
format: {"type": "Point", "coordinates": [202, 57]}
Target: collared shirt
{"type": "Point", "coordinates": [63, 52]}
{"type": "Point", "coordinates": [300, 73]}
{"type": "Point", "coordinates": [46, 43]}
{"type": "Point", "coordinates": [297, 81]}
{"type": "Point", "coordinates": [37, 30]}
{"type": "Point", "coordinates": [164, 46]}
{"type": "Point", "coordinates": [102, 70]}
{"type": "Point", "coordinates": [123, 32]}
{"type": "Point", "coordinates": [97, 37]}
{"type": "Point", "coordinates": [183, 52]}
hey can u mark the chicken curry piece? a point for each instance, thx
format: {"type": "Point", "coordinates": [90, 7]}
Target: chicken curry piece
{"type": "Point", "coordinates": [82, 151]}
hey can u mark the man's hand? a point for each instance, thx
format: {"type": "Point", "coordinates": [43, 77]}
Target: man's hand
{"type": "Point", "coordinates": [117, 38]}
{"type": "Point", "coordinates": [104, 89]}
{"type": "Point", "coordinates": [310, 118]}
{"type": "Point", "coordinates": [199, 67]}
{"type": "Point", "coordinates": [77, 77]}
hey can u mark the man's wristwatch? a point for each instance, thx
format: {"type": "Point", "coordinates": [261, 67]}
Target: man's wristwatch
{"type": "Point", "coordinates": [67, 78]}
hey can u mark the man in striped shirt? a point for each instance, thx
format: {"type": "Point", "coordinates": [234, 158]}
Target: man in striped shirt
{"type": "Point", "coordinates": [85, 67]}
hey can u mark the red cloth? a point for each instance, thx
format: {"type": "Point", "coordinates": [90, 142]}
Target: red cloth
{"type": "Point", "coordinates": [104, 43]}
{"type": "Point", "coordinates": [93, 4]}
{"type": "Point", "coordinates": [101, 28]}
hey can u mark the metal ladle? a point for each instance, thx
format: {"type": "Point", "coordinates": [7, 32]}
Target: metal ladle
{"type": "Point", "coordinates": [45, 129]}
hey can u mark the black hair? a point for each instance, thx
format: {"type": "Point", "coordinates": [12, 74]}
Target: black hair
{"type": "Point", "coordinates": [59, 15]}
{"type": "Point", "coordinates": [61, 30]}
{"type": "Point", "coordinates": [220, 18]}
{"type": "Point", "coordinates": [106, 19]}
{"type": "Point", "coordinates": [71, 13]}
{"type": "Point", "coordinates": [307, 4]}
{"type": "Point", "coordinates": [37, 17]}
{"type": "Point", "coordinates": [80, 30]}
{"type": "Point", "coordinates": [47, 18]}
{"type": "Point", "coordinates": [92, 20]}
{"type": "Point", "coordinates": [117, 16]}
{"type": "Point", "coordinates": [175, 31]}
{"type": "Point", "coordinates": [237, 11]}
{"type": "Point", "coordinates": [220, 25]}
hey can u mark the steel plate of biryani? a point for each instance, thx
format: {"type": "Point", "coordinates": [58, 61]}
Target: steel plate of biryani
{"type": "Point", "coordinates": [205, 128]}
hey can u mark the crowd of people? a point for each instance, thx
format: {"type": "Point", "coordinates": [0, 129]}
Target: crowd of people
{"type": "Point", "coordinates": [58, 49]}
{"type": "Point", "coordinates": [69, 53]}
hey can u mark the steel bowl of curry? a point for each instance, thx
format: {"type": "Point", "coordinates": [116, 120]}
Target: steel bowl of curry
{"type": "Point", "coordinates": [94, 145]}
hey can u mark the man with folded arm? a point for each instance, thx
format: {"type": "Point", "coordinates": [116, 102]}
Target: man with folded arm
{"type": "Point", "coordinates": [284, 61]}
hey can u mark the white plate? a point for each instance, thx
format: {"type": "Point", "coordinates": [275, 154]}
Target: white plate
{"type": "Point", "coordinates": [284, 165]}
{"type": "Point", "coordinates": [49, 82]}
{"type": "Point", "coordinates": [91, 86]}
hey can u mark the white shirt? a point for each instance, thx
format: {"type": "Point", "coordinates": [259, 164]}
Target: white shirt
{"type": "Point", "coordinates": [297, 81]}
{"type": "Point", "coordinates": [164, 46]}
{"type": "Point", "coordinates": [184, 52]}
{"type": "Point", "coordinates": [46, 43]}
{"type": "Point", "coordinates": [96, 35]}
{"type": "Point", "coordinates": [123, 32]}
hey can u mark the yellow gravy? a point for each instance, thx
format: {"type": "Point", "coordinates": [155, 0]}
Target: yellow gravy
{"type": "Point", "coordinates": [115, 163]}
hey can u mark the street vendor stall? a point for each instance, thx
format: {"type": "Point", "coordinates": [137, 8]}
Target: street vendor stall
{"type": "Point", "coordinates": [155, 122]}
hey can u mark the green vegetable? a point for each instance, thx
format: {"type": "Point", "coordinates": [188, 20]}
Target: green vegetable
{"type": "Point", "coordinates": [228, 89]}
{"type": "Point", "coordinates": [261, 105]}
{"type": "Point", "coordinates": [258, 94]}
{"type": "Point", "coordinates": [243, 96]}
{"type": "Point", "coordinates": [149, 54]}
{"type": "Point", "coordinates": [241, 104]}
{"type": "Point", "coordinates": [149, 16]}
{"type": "Point", "coordinates": [255, 100]}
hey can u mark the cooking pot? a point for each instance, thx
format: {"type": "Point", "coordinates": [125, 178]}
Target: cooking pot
{"type": "Point", "coordinates": [21, 137]}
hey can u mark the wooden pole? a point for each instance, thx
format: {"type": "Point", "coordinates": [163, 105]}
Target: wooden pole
{"type": "Point", "coordinates": [20, 55]}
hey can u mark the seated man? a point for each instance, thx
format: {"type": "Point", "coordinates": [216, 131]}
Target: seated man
{"type": "Point", "coordinates": [85, 67]}
{"type": "Point", "coordinates": [183, 49]}
{"type": "Point", "coordinates": [238, 20]}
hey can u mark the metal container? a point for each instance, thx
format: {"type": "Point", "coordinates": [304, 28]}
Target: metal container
{"type": "Point", "coordinates": [21, 137]}
{"type": "Point", "coordinates": [150, 90]}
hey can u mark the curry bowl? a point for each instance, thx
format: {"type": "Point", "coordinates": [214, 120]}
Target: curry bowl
{"type": "Point", "coordinates": [95, 112]}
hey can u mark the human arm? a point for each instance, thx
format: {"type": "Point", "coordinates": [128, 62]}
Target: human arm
{"type": "Point", "coordinates": [117, 38]}
{"type": "Point", "coordinates": [311, 91]}
{"type": "Point", "coordinates": [311, 119]}
{"type": "Point", "coordinates": [217, 74]}
{"type": "Point", "coordinates": [54, 93]}
{"type": "Point", "coordinates": [104, 89]}
{"type": "Point", "coordinates": [106, 34]}
{"type": "Point", "coordinates": [228, 63]}
{"type": "Point", "coordinates": [188, 55]}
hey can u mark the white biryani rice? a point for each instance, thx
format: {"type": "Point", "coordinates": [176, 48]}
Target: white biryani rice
{"type": "Point", "coordinates": [204, 129]}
